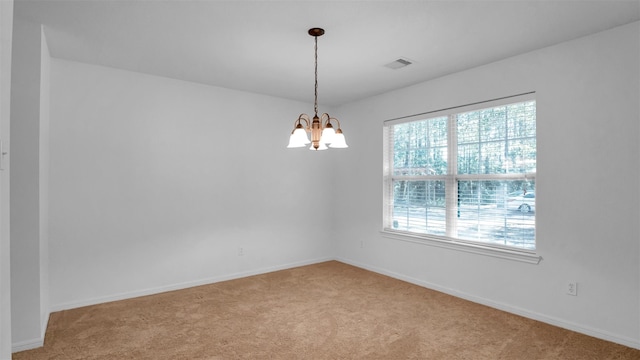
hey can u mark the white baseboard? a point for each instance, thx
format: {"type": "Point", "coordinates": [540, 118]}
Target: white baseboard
{"type": "Point", "coordinates": [32, 343]}
{"type": "Point", "coordinates": [604, 335]}
{"type": "Point", "coordinates": [180, 286]}
{"type": "Point", "coordinates": [27, 345]}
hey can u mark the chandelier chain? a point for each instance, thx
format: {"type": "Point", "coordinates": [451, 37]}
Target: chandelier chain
{"type": "Point", "coordinates": [315, 103]}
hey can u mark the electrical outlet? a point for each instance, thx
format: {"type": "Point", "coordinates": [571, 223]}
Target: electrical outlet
{"type": "Point", "coordinates": [240, 251]}
{"type": "Point", "coordinates": [572, 288]}
{"type": "Point", "coordinates": [361, 244]}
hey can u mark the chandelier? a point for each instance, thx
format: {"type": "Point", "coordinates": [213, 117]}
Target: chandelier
{"type": "Point", "coordinates": [320, 128]}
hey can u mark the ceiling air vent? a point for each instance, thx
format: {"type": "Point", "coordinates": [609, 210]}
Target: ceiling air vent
{"type": "Point", "coordinates": [398, 64]}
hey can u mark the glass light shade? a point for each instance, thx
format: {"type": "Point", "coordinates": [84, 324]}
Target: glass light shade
{"type": "Point", "coordinates": [322, 146]}
{"type": "Point", "coordinates": [339, 141]}
{"type": "Point", "coordinates": [294, 142]}
{"type": "Point", "coordinates": [328, 135]}
{"type": "Point", "coordinates": [302, 135]}
{"type": "Point", "coordinates": [298, 138]}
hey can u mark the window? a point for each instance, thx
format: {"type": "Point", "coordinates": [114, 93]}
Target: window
{"type": "Point", "coordinates": [465, 175]}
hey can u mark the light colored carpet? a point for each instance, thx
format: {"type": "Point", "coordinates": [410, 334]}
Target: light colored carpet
{"type": "Point", "coordinates": [324, 311]}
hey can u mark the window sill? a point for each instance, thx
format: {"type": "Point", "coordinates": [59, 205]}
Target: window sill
{"type": "Point", "coordinates": [508, 254]}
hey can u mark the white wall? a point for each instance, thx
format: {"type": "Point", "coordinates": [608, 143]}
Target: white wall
{"type": "Point", "coordinates": [43, 185]}
{"type": "Point", "coordinates": [156, 183]}
{"type": "Point", "coordinates": [6, 31]}
{"type": "Point", "coordinates": [29, 290]}
{"type": "Point", "coordinates": [587, 181]}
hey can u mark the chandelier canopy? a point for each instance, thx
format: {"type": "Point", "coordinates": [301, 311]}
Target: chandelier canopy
{"type": "Point", "coordinates": [321, 129]}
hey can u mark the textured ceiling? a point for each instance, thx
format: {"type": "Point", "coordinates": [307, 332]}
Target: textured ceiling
{"type": "Point", "coordinates": [263, 46]}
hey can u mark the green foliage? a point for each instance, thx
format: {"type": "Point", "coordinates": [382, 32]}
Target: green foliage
{"type": "Point", "coordinates": [419, 193]}
{"type": "Point", "coordinates": [497, 140]}
{"type": "Point", "coordinates": [420, 147]}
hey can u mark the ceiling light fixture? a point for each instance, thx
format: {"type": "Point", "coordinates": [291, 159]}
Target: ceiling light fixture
{"type": "Point", "coordinates": [321, 129]}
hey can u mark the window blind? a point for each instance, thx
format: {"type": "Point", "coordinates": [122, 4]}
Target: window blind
{"type": "Point", "coordinates": [464, 173]}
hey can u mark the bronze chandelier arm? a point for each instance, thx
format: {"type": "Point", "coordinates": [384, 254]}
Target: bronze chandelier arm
{"type": "Point", "coordinates": [305, 118]}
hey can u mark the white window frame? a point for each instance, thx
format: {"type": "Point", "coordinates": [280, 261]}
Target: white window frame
{"type": "Point", "coordinates": [451, 178]}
